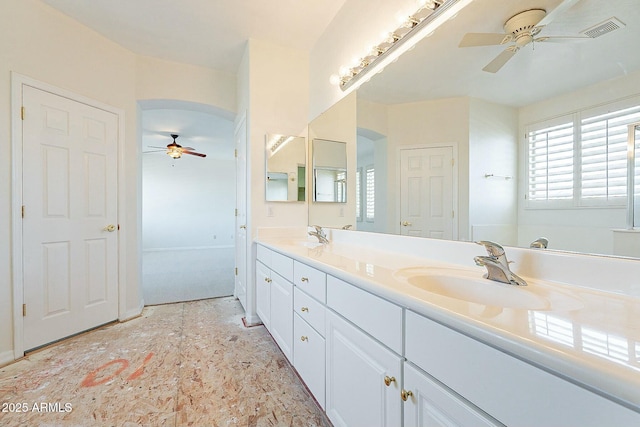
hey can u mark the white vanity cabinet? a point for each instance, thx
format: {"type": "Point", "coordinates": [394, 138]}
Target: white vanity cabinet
{"type": "Point", "coordinates": [309, 357]}
{"type": "Point", "coordinates": [281, 322]}
{"type": "Point", "coordinates": [429, 403]}
{"type": "Point", "coordinates": [274, 296]}
{"type": "Point", "coordinates": [509, 389]}
{"type": "Point", "coordinates": [363, 378]}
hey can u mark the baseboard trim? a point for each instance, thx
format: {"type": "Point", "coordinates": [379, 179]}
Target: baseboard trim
{"type": "Point", "coordinates": [6, 357]}
{"type": "Point", "coordinates": [187, 248]}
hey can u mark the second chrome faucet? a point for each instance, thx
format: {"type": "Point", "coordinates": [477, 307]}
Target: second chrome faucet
{"type": "Point", "coordinates": [497, 264]}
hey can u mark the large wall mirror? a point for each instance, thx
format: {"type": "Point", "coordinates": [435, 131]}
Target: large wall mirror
{"type": "Point", "coordinates": [329, 171]}
{"type": "Point", "coordinates": [286, 168]}
{"type": "Point", "coordinates": [450, 150]}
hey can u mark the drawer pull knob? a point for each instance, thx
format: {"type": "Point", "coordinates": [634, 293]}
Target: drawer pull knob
{"type": "Point", "coordinates": [304, 279]}
{"type": "Point", "coordinates": [305, 309]}
{"type": "Point", "coordinates": [406, 394]}
{"type": "Point", "coordinates": [304, 338]}
{"type": "Point", "coordinates": [388, 380]}
{"type": "Point", "coordinates": [266, 279]}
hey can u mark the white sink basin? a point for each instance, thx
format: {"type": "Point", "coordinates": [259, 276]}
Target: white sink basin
{"type": "Point", "coordinates": [470, 286]}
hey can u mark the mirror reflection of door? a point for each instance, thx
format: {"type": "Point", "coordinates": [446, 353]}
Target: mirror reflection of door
{"type": "Point", "coordinates": [426, 192]}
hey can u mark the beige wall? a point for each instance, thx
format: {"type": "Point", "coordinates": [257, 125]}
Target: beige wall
{"type": "Point", "coordinates": [41, 43]}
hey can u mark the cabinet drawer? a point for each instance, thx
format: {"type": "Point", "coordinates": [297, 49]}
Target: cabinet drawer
{"type": "Point", "coordinates": [282, 265]}
{"type": "Point", "coordinates": [263, 255]}
{"type": "Point", "coordinates": [312, 281]}
{"type": "Point", "coordinates": [309, 358]}
{"type": "Point", "coordinates": [379, 318]}
{"type": "Point", "coordinates": [503, 386]}
{"type": "Point", "coordinates": [309, 309]}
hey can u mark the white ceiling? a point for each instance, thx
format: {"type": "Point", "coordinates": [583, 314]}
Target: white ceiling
{"type": "Point", "coordinates": [210, 33]}
{"type": "Point", "coordinates": [438, 68]}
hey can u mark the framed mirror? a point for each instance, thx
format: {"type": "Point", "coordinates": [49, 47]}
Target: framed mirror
{"type": "Point", "coordinates": [286, 168]}
{"type": "Point", "coordinates": [329, 171]}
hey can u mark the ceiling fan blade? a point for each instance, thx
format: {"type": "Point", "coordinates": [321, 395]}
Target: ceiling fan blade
{"type": "Point", "coordinates": [559, 10]}
{"type": "Point", "coordinates": [188, 148]}
{"type": "Point", "coordinates": [484, 39]}
{"type": "Point", "coordinates": [499, 61]}
{"type": "Point", "coordinates": [561, 39]}
{"type": "Point", "coordinates": [154, 151]}
{"type": "Point", "coordinates": [193, 153]}
{"type": "Point", "coordinates": [153, 146]}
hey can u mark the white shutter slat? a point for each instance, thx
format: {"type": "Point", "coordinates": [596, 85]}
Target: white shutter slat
{"type": "Point", "coordinates": [603, 147]}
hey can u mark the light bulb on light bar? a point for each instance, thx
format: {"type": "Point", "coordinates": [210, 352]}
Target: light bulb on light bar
{"type": "Point", "coordinates": [424, 21]}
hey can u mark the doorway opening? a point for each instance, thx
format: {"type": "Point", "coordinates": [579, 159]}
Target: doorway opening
{"type": "Point", "coordinates": [187, 203]}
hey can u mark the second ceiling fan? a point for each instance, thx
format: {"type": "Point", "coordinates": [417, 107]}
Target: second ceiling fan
{"type": "Point", "coordinates": [175, 150]}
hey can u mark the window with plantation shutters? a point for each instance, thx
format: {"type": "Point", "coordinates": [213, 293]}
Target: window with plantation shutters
{"type": "Point", "coordinates": [603, 154]}
{"type": "Point", "coordinates": [580, 160]}
{"type": "Point", "coordinates": [370, 196]}
{"type": "Point", "coordinates": [551, 153]}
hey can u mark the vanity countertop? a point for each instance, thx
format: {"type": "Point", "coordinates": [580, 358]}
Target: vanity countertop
{"type": "Point", "coordinates": [588, 336]}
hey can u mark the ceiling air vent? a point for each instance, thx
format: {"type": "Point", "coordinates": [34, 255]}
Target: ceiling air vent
{"type": "Point", "coordinates": [603, 28]}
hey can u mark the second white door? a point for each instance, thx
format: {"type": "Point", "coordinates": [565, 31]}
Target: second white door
{"type": "Point", "coordinates": [426, 192]}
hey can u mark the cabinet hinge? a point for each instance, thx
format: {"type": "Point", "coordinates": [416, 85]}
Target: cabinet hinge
{"type": "Point", "coordinates": [236, 212]}
{"type": "Point", "coordinates": [22, 211]}
{"type": "Point", "coordinates": [24, 310]}
{"type": "Point", "coordinates": [22, 113]}
{"type": "Point", "coordinates": [235, 153]}
{"type": "Point", "coordinates": [236, 271]}
{"type": "Point", "coordinates": [453, 161]}
{"type": "Point", "coordinates": [453, 214]}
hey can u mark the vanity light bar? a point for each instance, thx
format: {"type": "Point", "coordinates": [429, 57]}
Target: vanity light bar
{"type": "Point", "coordinates": [278, 142]}
{"type": "Point", "coordinates": [422, 23]}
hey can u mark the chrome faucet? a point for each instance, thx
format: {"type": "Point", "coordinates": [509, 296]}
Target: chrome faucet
{"type": "Point", "coordinates": [347, 227]}
{"type": "Point", "coordinates": [540, 243]}
{"type": "Point", "coordinates": [497, 264]}
{"type": "Point", "coordinates": [320, 234]}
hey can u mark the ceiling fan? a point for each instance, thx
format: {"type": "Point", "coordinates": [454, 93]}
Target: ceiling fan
{"type": "Point", "coordinates": [521, 30]}
{"type": "Point", "coordinates": [175, 150]}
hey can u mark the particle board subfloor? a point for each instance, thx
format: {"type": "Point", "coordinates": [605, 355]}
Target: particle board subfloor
{"type": "Point", "coordinates": [183, 364]}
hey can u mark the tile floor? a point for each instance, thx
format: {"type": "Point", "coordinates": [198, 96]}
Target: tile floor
{"type": "Point", "coordinates": [183, 364]}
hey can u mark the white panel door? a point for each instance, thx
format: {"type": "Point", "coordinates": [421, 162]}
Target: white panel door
{"type": "Point", "coordinates": [357, 366]}
{"type": "Point", "coordinates": [426, 192]}
{"type": "Point", "coordinates": [70, 239]}
{"type": "Point", "coordinates": [432, 405]}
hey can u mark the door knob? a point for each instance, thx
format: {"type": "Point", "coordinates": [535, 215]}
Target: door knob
{"type": "Point", "coordinates": [406, 224]}
{"type": "Point", "coordinates": [110, 228]}
{"type": "Point", "coordinates": [388, 380]}
{"type": "Point", "coordinates": [243, 227]}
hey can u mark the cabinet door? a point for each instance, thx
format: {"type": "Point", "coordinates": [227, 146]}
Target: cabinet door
{"type": "Point", "coordinates": [308, 357]}
{"type": "Point", "coordinates": [430, 404]}
{"type": "Point", "coordinates": [263, 293]}
{"type": "Point", "coordinates": [282, 314]}
{"type": "Point", "coordinates": [356, 369]}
